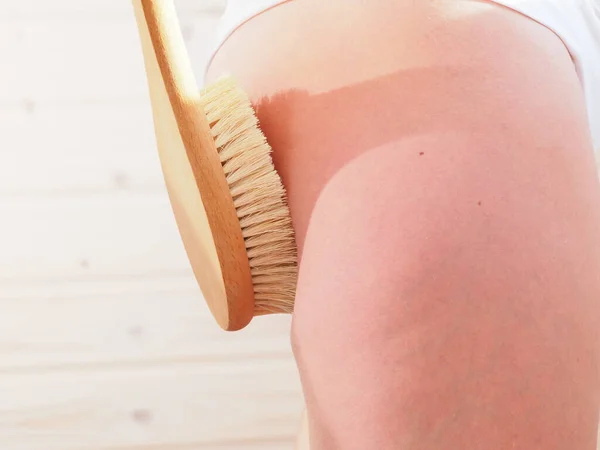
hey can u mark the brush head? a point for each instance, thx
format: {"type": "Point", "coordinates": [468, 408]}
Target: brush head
{"type": "Point", "coordinates": [228, 201]}
{"type": "Point", "coordinates": [257, 193]}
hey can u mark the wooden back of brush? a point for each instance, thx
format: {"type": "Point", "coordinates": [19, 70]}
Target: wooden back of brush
{"type": "Point", "coordinates": [217, 255]}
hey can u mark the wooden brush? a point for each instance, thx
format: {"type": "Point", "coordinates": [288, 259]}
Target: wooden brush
{"type": "Point", "coordinates": [228, 200]}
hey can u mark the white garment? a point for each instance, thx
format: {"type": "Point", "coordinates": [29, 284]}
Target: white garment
{"type": "Point", "coordinates": [576, 22]}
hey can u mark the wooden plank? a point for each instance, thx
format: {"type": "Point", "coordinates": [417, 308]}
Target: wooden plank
{"type": "Point", "coordinates": [105, 341]}
{"type": "Point", "coordinates": [70, 62]}
{"type": "Point", "coordinates": [75, 8]}
{"type": "Point", "coordinates": [82, 326]}
{"type": "Point", "coordinates": [226, 403]}
{"type": "Point", "coordinates": [89, 148]}
{"type": "Point", "coordinates": [87, 237]}
{"type": "Point", "coordinates": [276, 444]}
{"type": "Point", "coordinates": [83, 61]}
{"type": "Point", "coordinates": [95, 144]}
{"type": "Point", "coordinates": [245, 445]}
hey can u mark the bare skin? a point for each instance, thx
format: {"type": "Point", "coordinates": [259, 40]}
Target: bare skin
{"type": "Point", "coordinates": [441, 179]}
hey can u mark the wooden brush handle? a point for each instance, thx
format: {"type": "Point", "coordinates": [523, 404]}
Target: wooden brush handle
{"type": "Point", "coordinates": [197, 186]}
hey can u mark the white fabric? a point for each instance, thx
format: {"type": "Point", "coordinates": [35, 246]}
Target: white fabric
{"type": "Point", "coordinates": [576, 22]}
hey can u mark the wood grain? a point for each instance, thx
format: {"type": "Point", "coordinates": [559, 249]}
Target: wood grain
{"type": "Point", "coordinates": [81, 326]}
{"type": "Point", "coordinates": [166, 405]}
{"type": "Point", "coordinates": [198, 188]}
{"type": "Point", "coordinates": [37, 59]}
{"type": "Point", "coordinates": [105, 341]}
{"type": "Point", "coordinates": [88, 236]}
{"type": "Point", "coordinates": [108, 147]}
{"type": "Point", "coordinates": [44, 10]}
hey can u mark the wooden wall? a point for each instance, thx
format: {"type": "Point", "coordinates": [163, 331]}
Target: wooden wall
{"type": "Point", "coordinates": [105, 341]}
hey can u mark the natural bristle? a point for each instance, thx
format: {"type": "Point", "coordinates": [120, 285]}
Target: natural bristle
{"type": "Point", "coordinates": [258, 195]}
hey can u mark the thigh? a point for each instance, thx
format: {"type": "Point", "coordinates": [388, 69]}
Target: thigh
{"type": "Point", "coordinates": [444, 311]}
{"type": "Point", "coordinates": [444, 192]}
{"type": "Point", "coordinates": [330, 80]}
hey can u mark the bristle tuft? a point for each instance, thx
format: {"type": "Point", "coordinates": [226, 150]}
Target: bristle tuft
{"type": "Point", "coordinates": [258, 196]}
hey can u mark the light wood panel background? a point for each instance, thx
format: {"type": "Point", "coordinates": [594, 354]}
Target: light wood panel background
{"type": "Point", "coordinates": [105, 342]}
